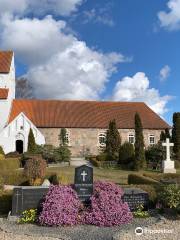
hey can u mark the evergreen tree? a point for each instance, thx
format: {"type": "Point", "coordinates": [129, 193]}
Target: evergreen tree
{"type": "Point", "coordinates": [176, 135]}
{"type": "Point", "coordinates": [1, 150]}
{"type": "Point", "coordinates": [31, 142]}
{"type": "Point", "coordinates": [140, 160]}
{"type": "Point", "coordinates": [113, 142]}
{"type": "Point", "coordinates": [165, 134]}
{"type": "Point", "coordinates": [62, 137]}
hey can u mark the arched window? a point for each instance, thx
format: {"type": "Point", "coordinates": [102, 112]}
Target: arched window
{"type": "Point", "coordinates": [151, 139]}
{"type": "Point", "coordinates": [131, 138]}
{"type": "Point", "coordinates": [102, 139]}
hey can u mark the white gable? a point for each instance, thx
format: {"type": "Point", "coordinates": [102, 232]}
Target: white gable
{"type": "Point", "coordinates": [18, 129]}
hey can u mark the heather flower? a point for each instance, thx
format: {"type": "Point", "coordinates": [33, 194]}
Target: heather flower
{"type": "Point", "coordinates": [61, 207]}
{"type": "Point", "coordinates": [107, 207]}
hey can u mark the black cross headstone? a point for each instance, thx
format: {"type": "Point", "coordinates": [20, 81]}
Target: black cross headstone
{"type": "Point", "coordinates": [25, 198]}
{"type": "Point", "coordinates": [83, 182]}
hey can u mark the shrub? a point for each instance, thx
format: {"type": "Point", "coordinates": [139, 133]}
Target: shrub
{"type": "Point", "coordinates": [140, 160]}
{"type": "Point", "coordinates": [140, 213]}
{"type": "Point", "coordinates": [126, 153]}
{"type": "Point", "coordinates": [156, 153]}
{"type": "Point", "coordinates": [62, 154]}
{"type": "Point", "coordinates": [1, 150]}
{"type": "Point", "coordinates": [13, 178]}
{"type": "Point", "coordinates": [9, 164]}
{"type": "Point", "coordinates": [107, 208]}
{"type": "Point", "coordinates": [94, 162]}
{"type": "Point", "coordinates": [28, 216]}
{"type": "Point", "coordinates": [2, 157]}
{"type": "Point", "coordinates": [13, 155]}
{"type": "Point", "coordinates": [140, 179]}
{"type": "Point", "coordinates": [61, 207]}
{"type": "Point", "coordinates": [35, 169]}
{"type": "Point", "coordinates": [170, 196]}
{"type": "Point", "coordinates": [32, 147]}
{"type": "Point", "coordinates": [48, 153]}
{"type": "Point", "coordinates": [102, 157]}
{"type": "Point", "coordinates": [5, 202]}
{"type": "Point", "coordinates": [113, 142]}
{"type": "Point", "coordinates": [163, 176]}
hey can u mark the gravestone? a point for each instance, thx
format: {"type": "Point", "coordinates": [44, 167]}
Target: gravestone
{"type": "Point", "coordinates": [134, 197]}
{"type": "Point", "coordinates": [168, 164]}
{"type": "Point", "coordinates": [83, 182]}
{"type": "Point", "coordinates": [25, 198]}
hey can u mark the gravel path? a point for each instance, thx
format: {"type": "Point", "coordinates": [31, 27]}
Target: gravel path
{"type": "Point", "coordinates": [12, 230]}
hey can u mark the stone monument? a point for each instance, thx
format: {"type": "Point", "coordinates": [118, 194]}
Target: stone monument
{"type": "Point", "coordinates": [168, 164]}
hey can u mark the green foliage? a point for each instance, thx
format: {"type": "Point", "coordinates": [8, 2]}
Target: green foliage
{"type": "Point", "coordinates": [28, 216]}
{"type": "Point", "coordinates": [165, 134]}
{"type": "Point", "coordinates": [62, 137]}
{"type": "Point", "coordinates": [126, 153]}
{"type": "Point", "coordinates": [1, 150]}
{"type": "Point", "coordinates": [13, 155]}
{"type": "Point", "coordinates": [62, 154]}
{"type": "Point", "coordinates": [163, 176]}
{"type": "Point", "coordinates": [140, 160]}
{"type": "Point", "coordinates": [170, 196]}
{"type": "Point", "coordinates": [94, 161]}
{"type": "Point", "coordinates": [2, 157]}
{"type": "Point", "coordinates": [9, 164]}
{"type": "Point", "coordinates": [34, 169]}
{"type": "Point", "coordinates": [48, 153]}
{"type": "Point", "coordinates": [113, 142]}
{"type": "Point", "coordinates": [140, 213]}
{"type": "Point", "coordinates": [5, 202]}
{"type": "Point", "coordinates": [13, 177]}
{"type": "Point", "coordinates": [31, 142]}
{"type": "Point", "coordinates": [102, 157]}
{"type": "Point", "coordinates": [140, 179]}
{"type": "Point", "coordinates": [155, 153]}
{"type": "Point", "coordinates": [176, 135]}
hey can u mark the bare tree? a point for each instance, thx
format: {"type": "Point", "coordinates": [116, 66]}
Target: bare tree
{"type": "Point", "coordinates": [23, 88]}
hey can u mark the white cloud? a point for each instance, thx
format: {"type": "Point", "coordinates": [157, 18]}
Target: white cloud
{"type": "Point", "coordinates": [99, 15]}
{"type": "Point", "coordinates": [164, 73]}
{"type": "Point", "coordinates": [171, 20]}
{"type": "Point", "coordinates": [60, 66]}
{"type": "Point", "coordinates": [39, 7]}
{"type": "Point", "coordinates": [137, 88]}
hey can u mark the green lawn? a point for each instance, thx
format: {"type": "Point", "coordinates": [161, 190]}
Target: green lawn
{"type": "Point", "coordinates": [114, 175]}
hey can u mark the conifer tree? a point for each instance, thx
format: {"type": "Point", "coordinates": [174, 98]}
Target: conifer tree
{"type": "Point", "coordinates": [113, 142]}
{"type": "Point", "coordinates": [31, 142]}
{"type": "Point", "coordinates": [176, 135]}
{"type": "Point", "coordinates": [140, 160]}
{"type": "Point", "coordinates": [165, 134]}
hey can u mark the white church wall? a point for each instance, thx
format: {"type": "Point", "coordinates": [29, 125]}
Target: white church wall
{"type": "Point", "coordinates": [18, 129]}
{"type": "Point", "coordinates": [7, 81]}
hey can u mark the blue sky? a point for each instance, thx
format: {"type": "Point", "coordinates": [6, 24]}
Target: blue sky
{"type": "Point", "coordinates": [97, 49]}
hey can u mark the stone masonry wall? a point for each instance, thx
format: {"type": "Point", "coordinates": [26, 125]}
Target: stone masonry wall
{"type": "Point", "coordinates": [83, 140]}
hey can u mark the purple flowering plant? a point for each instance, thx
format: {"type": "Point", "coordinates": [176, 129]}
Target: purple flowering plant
{"type": "Point", "coordinates": [63, 207]}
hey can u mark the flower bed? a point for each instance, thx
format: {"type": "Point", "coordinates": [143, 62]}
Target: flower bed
{"type": "Point", "coordinates": [63, 207]}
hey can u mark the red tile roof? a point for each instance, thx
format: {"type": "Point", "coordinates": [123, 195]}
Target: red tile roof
{"type": "Point", "coordinates": [4, 93]}
{"type": "Point", "coordinates": [85, 114]}
{"type": "Point", "coordinates": [5, 61]}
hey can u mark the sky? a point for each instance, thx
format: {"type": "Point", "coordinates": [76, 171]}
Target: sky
{"type": "Point", "coordinates": [109, 50]}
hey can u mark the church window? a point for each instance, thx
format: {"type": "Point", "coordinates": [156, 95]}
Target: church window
{"type": "Point", "coordinates": [151, 139]}
{"type": "Point", "coordinates": [131, 138]}
{"type": "Point", "coordinates": [102, 139]}
{"type": "Point", "coordinates": [67, 137]}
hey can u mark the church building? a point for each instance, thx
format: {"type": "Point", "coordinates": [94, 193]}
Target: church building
{"type": "Point", "coordinates": [86, 122]}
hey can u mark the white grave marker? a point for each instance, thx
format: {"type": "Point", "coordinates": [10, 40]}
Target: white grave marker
{"type": "Point", "coordinates": [168, 164]}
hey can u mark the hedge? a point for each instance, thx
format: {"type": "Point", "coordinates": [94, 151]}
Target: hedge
{"type": "Point", "coordinates": [163, 176]}
{"type": "Point", "coordinates": [5, 202]}
{"type": "Point", "coordinates": [140, 179]}
{"type": "Point", "coordinates": [13, 178]}
{"type": "Point", "coordinates": [9, 164]}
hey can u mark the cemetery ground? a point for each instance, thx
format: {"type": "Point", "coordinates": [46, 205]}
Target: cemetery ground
{"type": "Point", "coordinates": [12, 230]}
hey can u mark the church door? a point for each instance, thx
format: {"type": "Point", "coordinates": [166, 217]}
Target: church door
{"type": "Point", "coordinates": [19, 146]}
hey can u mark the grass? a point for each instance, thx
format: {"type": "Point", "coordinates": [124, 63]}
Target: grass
{"type": "Point", "coordinates": [114, 175]}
